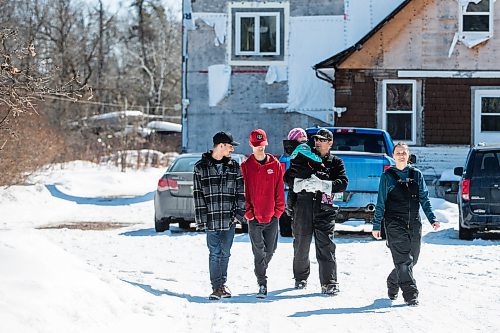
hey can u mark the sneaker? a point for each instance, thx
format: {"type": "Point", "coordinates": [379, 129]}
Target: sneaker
{"type": "Point", "coordinates": [262, 292]}
{"type": "Point", "coordinates": [300, 284]}
{"type": "Point", "coordinates": [215, 295]}
{"type": "Point", "coordinates": [412, 302]}
{"type": "Point", "coordinates": [225, 292]}
{"type": "Point", "coordinates": [330, 289]}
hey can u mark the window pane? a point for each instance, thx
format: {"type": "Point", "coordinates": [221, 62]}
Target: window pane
{"type": "Point", "coordinates": [490, 104]}
{"type": "Point", "coordinates": [483, 6]}
{"type": "Point", "coordinates": [247, 34]}
{"type": "Point", "coordinates": [399, 126]}
{"type": "Point", "coordinates": [399, 97]}
{"type": "Point", "coordinates": [268, 34]}
{"type": "Point", "coordinates": [476, 22]}
{"type": "Point", "coordinates": [490, 123]}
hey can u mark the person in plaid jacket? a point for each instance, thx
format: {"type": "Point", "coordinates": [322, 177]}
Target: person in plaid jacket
{"type": "Point", "coordinates": [219, 200]}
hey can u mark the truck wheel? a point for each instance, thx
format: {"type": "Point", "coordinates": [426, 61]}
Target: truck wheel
{"type": "Point", "coordinates": [162, 225]}
{"type": "Point", "coordinates": [184, 224]}
{"type": "Point", "coordinates": [285, 223]}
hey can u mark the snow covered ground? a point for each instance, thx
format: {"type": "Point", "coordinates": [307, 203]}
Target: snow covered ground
{"type": "Point", "coordinates": [131, 279]}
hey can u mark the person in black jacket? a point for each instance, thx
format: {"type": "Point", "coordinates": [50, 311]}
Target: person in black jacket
{"type": "Point", "coordinates": [219, 200]}
{"type": "Point", "coordinates": [310, 205]}
{"type": "Point", "coordinates": [402, 191]}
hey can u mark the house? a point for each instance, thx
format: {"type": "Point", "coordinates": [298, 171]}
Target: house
{"type": "Point", "coordinates": [249, 64]}
{"type": "Point", "coordinates": [428, 73]}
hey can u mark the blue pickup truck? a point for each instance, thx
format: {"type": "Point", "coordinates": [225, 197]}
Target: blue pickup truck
{"type": "Point", "coordinates": [366, 154]}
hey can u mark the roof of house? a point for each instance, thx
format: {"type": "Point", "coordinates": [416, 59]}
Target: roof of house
{"type": "Point", "coordinates": [340, 57]}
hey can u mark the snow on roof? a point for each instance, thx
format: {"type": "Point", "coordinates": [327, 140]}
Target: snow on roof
{"type": "Point", "coordinates": [118, 114]}
{"type": "Point", "coordinates": [164, 126]}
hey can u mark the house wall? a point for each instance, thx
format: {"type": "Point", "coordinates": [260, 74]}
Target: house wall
{"type": "Point", "coordinates": [446, 111]}
{"type": "Point", "coordinates": [240, 112]}
{"type": "Point", "coordinates": [420, 37]}
{"type": "Point", "coordinates": [355, 89]}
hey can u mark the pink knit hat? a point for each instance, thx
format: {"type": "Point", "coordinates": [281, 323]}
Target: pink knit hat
{"type": "Point", "coordinates": [296, 133]}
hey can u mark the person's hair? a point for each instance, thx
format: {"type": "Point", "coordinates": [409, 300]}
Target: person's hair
{"type": "Point", "coordinates": [401, 144]}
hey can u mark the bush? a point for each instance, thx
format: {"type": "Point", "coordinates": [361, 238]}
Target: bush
{"type": "Point", "coordinates": [27, 142]}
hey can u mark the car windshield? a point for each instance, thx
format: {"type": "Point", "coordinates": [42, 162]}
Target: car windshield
{"type": "Point", "coordinates": [360, 142]}
{"type": "Point", "coordinates": [486, 163]}
{"type": "Point", "coordinates": [184, 164]}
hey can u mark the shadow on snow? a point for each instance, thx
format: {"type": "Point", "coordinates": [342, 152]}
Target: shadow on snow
{"type": "Point", "coordinates": [381, 303]}
{"type": "Point", "coordinates": [112, 201]}
{"type": "Point", "coordinates": [273, 296]}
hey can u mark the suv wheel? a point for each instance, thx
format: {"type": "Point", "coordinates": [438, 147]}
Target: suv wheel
{"type": "Point", "coordinates": [466, 234]}
{"type": "Point", "coordinates": [162, 225]}
{"type": "Point", "coordinates": [463, 233]}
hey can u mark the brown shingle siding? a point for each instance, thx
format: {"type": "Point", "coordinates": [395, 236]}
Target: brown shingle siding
{"type": "Point", "coordinates": [355, 90]}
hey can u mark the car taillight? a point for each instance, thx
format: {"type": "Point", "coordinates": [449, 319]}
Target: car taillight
{"type": "Point", "coordinates": [466, 189]}
{"type": "Point", "coordinates": [165, 184]}
{"type": "Point", "coordinates": [386, 166]}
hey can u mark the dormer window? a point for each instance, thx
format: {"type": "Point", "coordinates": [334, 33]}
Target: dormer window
{"type": "Point", "coordinates": [476, 16]}
{"type": "Point", "coordinates": [259, 35]}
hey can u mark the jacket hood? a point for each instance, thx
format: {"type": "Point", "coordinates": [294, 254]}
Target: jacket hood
{"type": "Point", "coordinates": [207, 157]}
{"type": "Point", "coordinates": [289, 146]}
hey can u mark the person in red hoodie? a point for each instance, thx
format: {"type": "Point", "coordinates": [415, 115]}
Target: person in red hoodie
{"type": "Point", "coordinates": [265, 202]}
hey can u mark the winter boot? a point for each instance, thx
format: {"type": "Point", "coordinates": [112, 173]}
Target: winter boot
{"type": "Point", "coordinates": [300, 284]}
{"type": "Point", "coordinates": [331, 289]}
{"type": "Point", "coordinates": [412, 302]}
{"type": "Point", "coordinates": [262, 292]}
{"type": "Point", "coordinates": [225, 292]}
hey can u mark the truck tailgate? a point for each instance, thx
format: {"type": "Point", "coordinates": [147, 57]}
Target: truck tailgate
{"type": "Point", "coordinates": [363, 170]}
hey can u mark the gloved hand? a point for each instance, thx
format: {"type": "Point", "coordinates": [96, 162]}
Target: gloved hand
{"type": "Point", "coordinates": [314, 184]}
{"type": "Point", "coordinates": [298, 185]}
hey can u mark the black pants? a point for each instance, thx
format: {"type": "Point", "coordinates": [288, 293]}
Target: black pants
{"type": "Point", "coordinates": [264, 239]}
{"type": "Point", "coordinates": [403, 239]}
{"type": "Point", "coordinates": [309, 221]}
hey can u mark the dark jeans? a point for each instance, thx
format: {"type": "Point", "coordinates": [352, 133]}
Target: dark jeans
{"type": "Point", "coordinates": [264, 239]}
{"type": "Point", "coordinates": [403, 239]}
{"type": "Point", "coordinates": [309, 222]}
{"type": "Point", "coordinates": [219, 245]}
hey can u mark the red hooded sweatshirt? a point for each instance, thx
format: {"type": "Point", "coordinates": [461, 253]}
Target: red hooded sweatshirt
{"type": "Point", "coordinates": [264, 189]}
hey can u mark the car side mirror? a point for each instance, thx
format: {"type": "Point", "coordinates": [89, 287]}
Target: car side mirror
{"type": "Point", "coordinates": [413, 159]}
{"type": "Point", "coordinates": [458, 171]}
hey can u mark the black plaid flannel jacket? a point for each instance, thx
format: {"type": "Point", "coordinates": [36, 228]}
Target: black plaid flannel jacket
{"type": "Point", "coordinates": [219, 198]}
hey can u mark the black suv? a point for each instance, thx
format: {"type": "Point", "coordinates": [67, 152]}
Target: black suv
{"type": "Point", "coordinates": [479, 192]}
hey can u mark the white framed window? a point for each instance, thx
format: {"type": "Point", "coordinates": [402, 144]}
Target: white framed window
{"type": "Point", "coordinates": [399, 108]}
{"type": "Point", "coordinates": [257, 33]}
{"type": "Point", "coordinates": [486, 114]}
{"type": "Point", "coordinates": [476, 17]}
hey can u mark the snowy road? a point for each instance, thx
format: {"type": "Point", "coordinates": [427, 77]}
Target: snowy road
{"type": "Point", "coordinates": [65, 280]}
